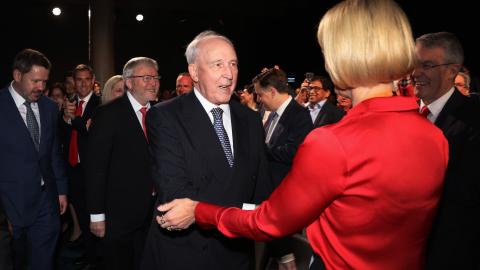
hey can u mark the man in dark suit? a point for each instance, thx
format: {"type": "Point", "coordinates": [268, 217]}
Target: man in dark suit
{"type": "Point", "coordinates": [75, 120]}
{"type": "Point", "coordinates": [207, 147]}
{"type": "Point", "coordinates": [322, 111]}
{"type": "Point", "coordinates": [33, 183]}
{"type": "Point", "coordinates": [118, 168]}
{"type": "Point", "coordinates": [454, 240]}
{"type": "Point", "coordinates": [285, 129]}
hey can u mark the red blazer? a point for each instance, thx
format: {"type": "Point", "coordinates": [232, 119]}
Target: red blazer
{"type": "Point", "coordinates": [366, 187]}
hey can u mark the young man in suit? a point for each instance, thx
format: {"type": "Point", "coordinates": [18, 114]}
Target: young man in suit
{"type": "Point", "coordinates": [118, 168]}
{"type": "Point", "coordinates": [33, 182]}
{"type": "Point", "coordinates": [208, 147]}
{"type": "Point", "coordinates": [453, 242]}
{"type": "Point", "coordinates": [75, 121]}
{"type": "Point", "coordinates": [285, 129]}
{"type": "Point", "coordinates": [321, 110]}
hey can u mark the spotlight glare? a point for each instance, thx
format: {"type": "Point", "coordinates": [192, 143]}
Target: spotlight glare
{"type": "Point", "coordinates": [139, 17]}
{"type": "Point", "coordinates": [56, 11]}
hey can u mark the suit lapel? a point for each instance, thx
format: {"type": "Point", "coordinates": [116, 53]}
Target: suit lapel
{"type": "Point", "coordinates": [239, 130]}
{"type": "Point", "coordinates": [280, 128]}
{"type": "Point", "coordinates": [446, 118]}
{"type": "Point", "coordinates": [200, 132]}
{"type": "Point", "coordinates": [10, 112]}
{"type": "Point", "coordinates": [132, 120]}
{"type": "Point", "coordinates": [322, 114]}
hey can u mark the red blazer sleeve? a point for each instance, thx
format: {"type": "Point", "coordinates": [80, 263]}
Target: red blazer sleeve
{"type": "Point", "coordinates": [317, 177]}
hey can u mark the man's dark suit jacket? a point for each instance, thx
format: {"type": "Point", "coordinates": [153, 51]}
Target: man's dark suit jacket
{"type": "Point", "coordinates": [292, 127]}
{"type": "Point", "coordinates": [118, 169]}
{"type": "Point", "coordinates": [328, 114]}
{"type": "Point", "coordinates": [79, 124]}
{"type": "Point", "coordinates": [455, 239]}
{"type": "Point", "coordinates": [289, 133]}
{"type": "Point", "coordinates": [22, 167]}
{"type": "Point", "coordinates": [189, 162]}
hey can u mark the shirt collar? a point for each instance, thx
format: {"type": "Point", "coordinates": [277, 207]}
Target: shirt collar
{"type": "Point", "coordinates": [437, 106]}
{"type": "Point", "coordinates": [86, 99]}
{"type": "Point", "coordinates": [319, 105]}
{"type": "Point", "coordinates": [284, 105]}
{"type": "Point", "coordinates": [208, 106]}
{"type": "Point", "coordinates": [19, 100]}
{"type": "Point", "coordinates": [135, 104]}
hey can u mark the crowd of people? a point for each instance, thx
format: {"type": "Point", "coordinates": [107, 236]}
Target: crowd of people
{"type": "Point", "coordinates": [376, 160]}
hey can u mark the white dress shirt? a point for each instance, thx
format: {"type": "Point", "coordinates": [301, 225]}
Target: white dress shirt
{"type": "Point", "coordinates": [316, 109]}
{"type": "Point", "coordinates": [437, 106]}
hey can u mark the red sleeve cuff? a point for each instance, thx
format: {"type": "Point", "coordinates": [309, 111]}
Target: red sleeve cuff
{"type": "Point", "coordinates": [206, 215]}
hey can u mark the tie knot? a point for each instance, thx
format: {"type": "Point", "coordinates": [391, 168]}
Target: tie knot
{"type": "Point", "coordinates": [217, 113]}
{"type": "Point", "coordinates": [28, 104]}
{"type": "Point", "coordinates": [425, 111]}
{"type": "Point", "coordinates": [143, 110]}
{"type": "Point", "coordinates": [80, 104]}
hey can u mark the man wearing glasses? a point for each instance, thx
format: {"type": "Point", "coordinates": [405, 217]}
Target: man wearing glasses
{"type": "Point", "coordinates": [453, 242]}
{"type": "Point", "coordinates": [119, 184]}
{"type": "Point", "coordinates": [321, 110]}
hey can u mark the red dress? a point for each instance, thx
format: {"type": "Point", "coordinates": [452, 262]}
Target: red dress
{"type": "Point", "coordinates": [366, 187]}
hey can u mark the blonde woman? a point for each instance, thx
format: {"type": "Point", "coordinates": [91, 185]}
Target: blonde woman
{"type": "Point", "coordinates": [113, 89]}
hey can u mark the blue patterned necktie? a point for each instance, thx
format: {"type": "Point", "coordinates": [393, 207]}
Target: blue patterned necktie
{"type": "Point", "coordinates": [222, 134]}
{"type": "Point", "coordinates": [32, 125]}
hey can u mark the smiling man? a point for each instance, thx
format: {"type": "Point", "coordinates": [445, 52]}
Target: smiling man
{"type": "Point", "coordinates": [207, 147]}
{"type": "Point", "coordinates": [453, 243]}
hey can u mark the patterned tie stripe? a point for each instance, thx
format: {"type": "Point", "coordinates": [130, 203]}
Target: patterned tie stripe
{"type": "Point", "coordinates": [222, 134]}
{"type": "Point", "coordinates": [32, 125]}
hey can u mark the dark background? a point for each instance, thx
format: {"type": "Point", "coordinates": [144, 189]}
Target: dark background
{"type": "Point", "coordinates": [265, 33]}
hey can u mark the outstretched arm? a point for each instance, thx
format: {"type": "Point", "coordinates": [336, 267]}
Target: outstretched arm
{"type": "Point", "coordinates": [299, 200]}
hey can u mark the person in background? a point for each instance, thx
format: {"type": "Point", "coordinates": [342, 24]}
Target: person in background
{"type": "Point", "coordinates": [184, 83]}
{"type": "Point", "coordinates": [344, 103]}
{"type": "Point", "coordinates": [114, 88]}
{"type": "Point", "coordinates": [58, 94]}
{"type": "Point", "coordinates": [118, 180]}
{"type": "Point", "coordinates": [75, 121]}
{"type": "Point", "coordinates": [69, 85]}
{"type": "Point", "coordinates": [248, 97]}
{"type": "Point", "coordinates": [453, 243]}
{"type": "Point", "coordinates": [322, 111]}
{"type": "Point", "coordinates": [368, 186]}
{"type": "Point", "coordinates": [462, 83]}
{"type": "Point", "coordinates": [287, 126]}
{"type": "Point", "coordinates": [33, 182]}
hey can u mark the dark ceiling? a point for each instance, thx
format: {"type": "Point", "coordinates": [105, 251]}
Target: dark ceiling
{"type": "Point", "coordinates": [264, 32]}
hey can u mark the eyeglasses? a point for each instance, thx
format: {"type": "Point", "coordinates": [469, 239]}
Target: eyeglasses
{"type": "Point", "coordinates": [316, 88]}
{"type": "Point", "coordinates": [426, 66]}
{"type": "Point", "coordinates": [148, 78]}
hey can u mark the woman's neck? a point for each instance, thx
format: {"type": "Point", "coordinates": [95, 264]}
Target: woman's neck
{"type": "Point", "coordinates": [360, 94]}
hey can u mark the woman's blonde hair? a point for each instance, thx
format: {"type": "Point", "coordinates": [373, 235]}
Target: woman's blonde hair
{"type": "Point", "coordinates": [366, 42]}
{"type": "Point", "coordinates": [107, 89]}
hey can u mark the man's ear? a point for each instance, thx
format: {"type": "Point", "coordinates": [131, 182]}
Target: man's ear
{"type": "Point", "coordinates": [128, 83]}
{"type": "Point", "coordinates": [17, 75]}
{"type": "Point", "coordinates": [192, 69]}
